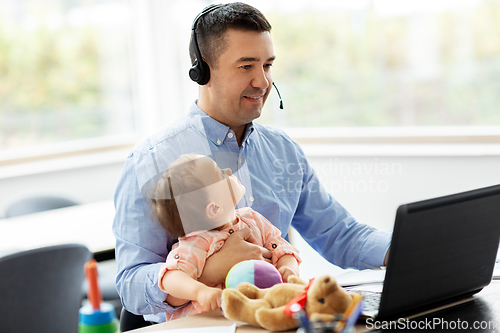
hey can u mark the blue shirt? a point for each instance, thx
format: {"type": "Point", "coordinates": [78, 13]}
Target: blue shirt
{"type": "Point", "coordinates": [280, 184]}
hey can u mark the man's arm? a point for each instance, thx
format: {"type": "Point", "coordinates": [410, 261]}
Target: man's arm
{"type": "Point", "coordinates": [141, 248]}
{"type": "Point", "coordinates": [327, 226]}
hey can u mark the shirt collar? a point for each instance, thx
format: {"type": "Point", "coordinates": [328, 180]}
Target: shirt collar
{"type": "Point", "coordinates": [214, 130]}
{"type": "Point", "coordinates": [248, 131]}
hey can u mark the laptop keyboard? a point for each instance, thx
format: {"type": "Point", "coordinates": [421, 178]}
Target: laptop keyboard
{"type": "Point", "coordinates": [371, 299]}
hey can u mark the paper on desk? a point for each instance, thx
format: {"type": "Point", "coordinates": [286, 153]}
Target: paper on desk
{"type": "Point", "coordinates": [496, 271]}
{"type": "Point", "coordinates": [209, 329]}
{"type": "Point", "coordinates": [355, 278]}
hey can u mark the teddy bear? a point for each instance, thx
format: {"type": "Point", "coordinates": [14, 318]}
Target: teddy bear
{"type": "Point", "coordinates": [322, 299]}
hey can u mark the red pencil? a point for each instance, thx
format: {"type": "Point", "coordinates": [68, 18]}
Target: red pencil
{"type": "Point", "coordinates": [93, 293]}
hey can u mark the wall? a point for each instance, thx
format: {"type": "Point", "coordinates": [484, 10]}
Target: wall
{"type": "Point", "coordinates": [86, 178]}
{"type": "Point", "coordinates": [372, 188]}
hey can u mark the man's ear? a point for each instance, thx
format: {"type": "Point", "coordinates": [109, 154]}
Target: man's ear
{"type": "Point", "coordinates": [213, 210]}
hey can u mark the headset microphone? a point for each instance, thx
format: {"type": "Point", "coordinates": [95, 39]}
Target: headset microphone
{"type": "Point", "coordinates": [279, 95]}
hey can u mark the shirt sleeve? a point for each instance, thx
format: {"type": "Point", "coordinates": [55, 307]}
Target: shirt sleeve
{"type": "Point", "coordinates": [271, 238]}
{"type": "Point", "coordinates": [189, 256]}
{"type": "Point", "coordinates": [141, 248]}
{"type": "Point", "coordinates": [329, 228]}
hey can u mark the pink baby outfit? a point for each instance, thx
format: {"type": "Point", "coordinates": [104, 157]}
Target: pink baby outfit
{"type": "Point", "coordinates": [190, 253]}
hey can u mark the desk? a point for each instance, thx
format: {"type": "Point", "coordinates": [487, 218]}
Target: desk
{"type": "Point", "coordinates": [88, 224]}
{"type": "Point", "coordinates": [483, 308]}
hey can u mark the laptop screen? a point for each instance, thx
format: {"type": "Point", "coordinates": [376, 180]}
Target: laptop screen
{"type": "Point", "coordinates": [442, 249]}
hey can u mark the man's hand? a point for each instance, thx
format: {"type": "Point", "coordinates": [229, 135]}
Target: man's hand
{"type": "Point", "coordinates": [238, 247]}
{"type": "Point", "coordinates": [210, 298]}
{"type": "Point", "coordinates": [386, 257]}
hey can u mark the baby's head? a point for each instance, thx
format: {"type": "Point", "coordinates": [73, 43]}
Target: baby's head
{"type": "Point", "coordinates": [195, 194]}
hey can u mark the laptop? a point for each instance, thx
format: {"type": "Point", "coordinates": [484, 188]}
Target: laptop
{"type": "Point", "coordinates": [443, 250]}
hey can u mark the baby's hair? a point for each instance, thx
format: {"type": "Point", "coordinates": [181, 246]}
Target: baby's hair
{"type": "Point", "coordinates": [181, 174]}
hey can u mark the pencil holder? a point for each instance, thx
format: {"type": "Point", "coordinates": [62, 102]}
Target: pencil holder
{"type": "Point", "coordinates": [96, 316]}
{"type": "Point", "coordinates": [102, 320]}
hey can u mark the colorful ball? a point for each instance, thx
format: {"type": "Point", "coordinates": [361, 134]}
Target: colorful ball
{"type": "Point", "coordinates": [257, 272]}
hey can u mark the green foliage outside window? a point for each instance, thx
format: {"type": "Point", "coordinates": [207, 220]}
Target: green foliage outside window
{"type": "Point", "coordinates": [56, 82]}
{"type": "Point", "coordinates": [49, 84]}
{"type": "Point", "coordinates": [356, 68]}
{"type": "Point", "coordinates": [335, 68]}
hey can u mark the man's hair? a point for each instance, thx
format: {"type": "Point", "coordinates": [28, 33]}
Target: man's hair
{"type": "Point", "coordinates": [178, 179]}
{"type": "Point", "coordinates": [211, 28]}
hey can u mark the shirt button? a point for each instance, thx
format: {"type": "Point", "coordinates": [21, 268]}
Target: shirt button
{"type": "Point", "coordinates": [230, 135]}
{"type": "Point", "coordinates": [231, 231]}
{"type": "Point", "coordinates": [252, 199]}
{"type": "Point", "coordinates": [274, 246]}
{"type": "Point", "coordinates": [219, 142]}
{"type": "Point", "coordinates": [177, 256]}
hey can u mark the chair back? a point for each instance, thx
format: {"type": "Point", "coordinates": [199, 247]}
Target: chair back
{"type": "Point", "coordinates": [38, 203]}
{"type": "Point", "coordinates": [40, 289]}
{"type": "Point", "coordinates": [130, 321]}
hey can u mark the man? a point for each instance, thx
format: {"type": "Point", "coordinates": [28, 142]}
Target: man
{"type": "Point", "coordinates": [235, 42]}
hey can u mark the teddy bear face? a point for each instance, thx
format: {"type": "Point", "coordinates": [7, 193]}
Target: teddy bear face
{"type": "Point", "coordinates": [325, 296]}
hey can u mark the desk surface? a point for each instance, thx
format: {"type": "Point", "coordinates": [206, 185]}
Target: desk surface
{"type": "Point", "coordinates": [88, 224]}
{"type": "Point", "coordinates": [483, 308]}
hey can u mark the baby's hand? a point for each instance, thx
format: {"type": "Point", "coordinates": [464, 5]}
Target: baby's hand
{"type": "Point", "coordinates": [210, 298]}
{"type": "Point", "coordinates": [286, 272]}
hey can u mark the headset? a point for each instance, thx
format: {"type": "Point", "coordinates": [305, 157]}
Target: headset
{"type": "Point", "coordinates": [200, 72]}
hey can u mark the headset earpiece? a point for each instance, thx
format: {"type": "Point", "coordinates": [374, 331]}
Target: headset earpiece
{"type": "Point", "coordinates": [195, 72]}
{"type": "Point", "coordinates": [200, 72]}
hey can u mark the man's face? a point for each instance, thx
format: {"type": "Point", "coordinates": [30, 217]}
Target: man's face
{"type": "Point", "coordinates": [239, 86]}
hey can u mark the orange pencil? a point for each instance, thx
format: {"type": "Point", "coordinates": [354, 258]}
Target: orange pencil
{"type": "Point", "coordinates": [93, 293]}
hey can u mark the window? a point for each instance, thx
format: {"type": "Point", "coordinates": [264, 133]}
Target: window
{"type": "Point", "coordinates": [386, 63]}
{"type": "Point", "coordinates": [64, 71]}
{"type": "Point", "coordinates": [94, 69]}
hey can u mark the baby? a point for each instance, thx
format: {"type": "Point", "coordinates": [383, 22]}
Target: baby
{"type": "Point", "coordinates": [195, 201]}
